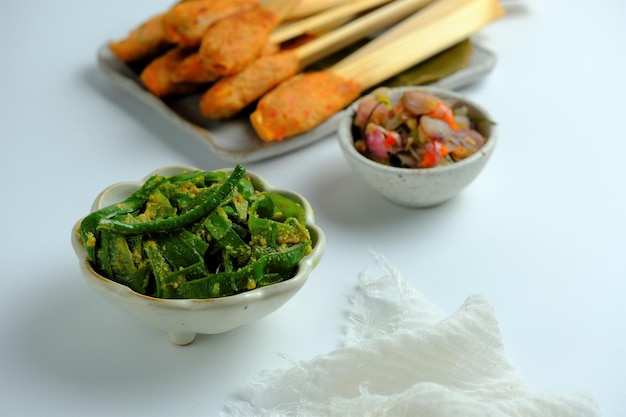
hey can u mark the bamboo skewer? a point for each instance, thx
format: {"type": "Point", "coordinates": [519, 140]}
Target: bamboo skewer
{"type": "Point", "coordinates": [403, 28]}
{"type": "Point", "coordinates": [439, 26]}
{"type": "Point", "coordinates": [328, 19]}
{"type": "Point", "coordinates": [358, 29]}
{"type": "Point", "coordinates": [307, 8]}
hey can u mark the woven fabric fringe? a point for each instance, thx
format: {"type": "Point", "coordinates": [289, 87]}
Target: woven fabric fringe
{"type": "Point", "coordinates": [403, 357]}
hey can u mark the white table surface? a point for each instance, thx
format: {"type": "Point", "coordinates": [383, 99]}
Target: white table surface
{"type": "Point", "coordinates": [541, 233]}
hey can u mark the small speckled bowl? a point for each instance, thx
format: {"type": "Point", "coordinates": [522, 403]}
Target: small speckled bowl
{"type": "Point", "coordinates": [419, 187]}
{"type": "Point", "coordinates": [182, 319]}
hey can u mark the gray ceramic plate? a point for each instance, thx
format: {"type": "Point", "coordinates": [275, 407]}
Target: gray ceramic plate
{"type": "Point", "coordinates": [235, 140]}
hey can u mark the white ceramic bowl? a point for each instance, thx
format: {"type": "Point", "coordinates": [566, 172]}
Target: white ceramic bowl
{"type": "Point", "coordinates": [419, 187]}
{"type": "Point", "coordinates": [182, 319]}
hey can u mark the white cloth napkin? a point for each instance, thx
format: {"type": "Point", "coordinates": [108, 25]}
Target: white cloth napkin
{"type": "Point", "coordinates": [404, 357]}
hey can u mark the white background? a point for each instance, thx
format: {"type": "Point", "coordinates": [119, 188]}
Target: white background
{"type": "Point", "coordinates": [541, 233]}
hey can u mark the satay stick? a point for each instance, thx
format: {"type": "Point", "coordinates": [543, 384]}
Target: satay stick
{"type": "Point", "coordinates": [328, 19]}
{"type": "Point", "coordinates": [357, 29]}
{"type": "Point", "coordinates": [192, 71]}
{"type": "Point", "coordinates": [307, 8]}
{"type": "Point", "coordinates": [317, 95]}
{"type": "Point", "coordinates": [439, 26]}
{"type": "Point", "coordinates": [233, 93]}
{"type": "Point", "coordinates": [402, 28]}
{"type": "Point", "coordinates": [230, 58]}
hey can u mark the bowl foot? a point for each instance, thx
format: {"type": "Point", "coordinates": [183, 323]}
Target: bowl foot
{"type": "Point", "coordinates": [182, 338]}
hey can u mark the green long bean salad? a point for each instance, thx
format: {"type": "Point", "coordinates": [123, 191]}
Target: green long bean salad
{"type": "Point", "coordinates": [198, 234]}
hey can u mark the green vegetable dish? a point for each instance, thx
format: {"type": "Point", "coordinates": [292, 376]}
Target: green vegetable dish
{"type": "Point", "coordinates": [198, 234]}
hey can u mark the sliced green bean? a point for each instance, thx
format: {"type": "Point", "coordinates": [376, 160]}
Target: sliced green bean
{"type": "Point", "coordinates": [89, 225]}
{"type": "Point", "coordinates": [284, 208]}
{"type": "Point", "coordinates": [276, 221]}
{"type": "Point", "coordinates": [198, 244]}
{"type": "Point", "coordinates": [221, 229]}
{"type": "Point", "coordinates": [178, 252]}
{"type": "Point", "coordinates": [270, 268]}
{"type": "Point", "coordinates": [160, 268]}
{"type": "Point", "coordinates": [209, 204]}
{"type": "Point", "coordinates": [158, 206]}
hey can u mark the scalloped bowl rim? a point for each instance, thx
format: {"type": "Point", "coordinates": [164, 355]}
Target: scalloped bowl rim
{"type": "Point", "coordinates": [126, 295]}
